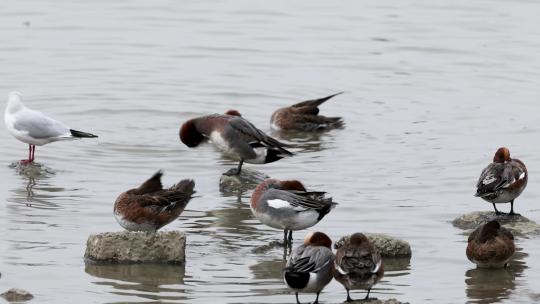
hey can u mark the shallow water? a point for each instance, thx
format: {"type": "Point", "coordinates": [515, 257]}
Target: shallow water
{"type": "Point", "coordinates": [432, 89]}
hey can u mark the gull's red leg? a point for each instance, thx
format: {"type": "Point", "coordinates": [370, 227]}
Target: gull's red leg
{"type": "Point", "coordinates": [29, 160]}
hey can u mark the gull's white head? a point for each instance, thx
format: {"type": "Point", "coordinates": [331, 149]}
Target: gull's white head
{"type": "Point", "coordinates": [14, 102]}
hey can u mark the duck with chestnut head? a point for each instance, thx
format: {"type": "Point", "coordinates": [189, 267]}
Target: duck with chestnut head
{"type": "Point", "coordinates": [287, 205]}
{"type": "Point", "coordinates": [503, 180]}
{"type": "Point", "coordinates": [235, 136]}
{"type": "Point", "coordinates": [309, 268]}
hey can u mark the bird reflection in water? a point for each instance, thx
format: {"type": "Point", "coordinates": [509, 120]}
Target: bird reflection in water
{"type": "Point", "coordinates": [34, 174]}
{"type": "Point", "coordinates": [137, 279]}
{"type": "Point", "coordinates": [494, 285]}
{"type": "Point", "coordinates": [306, 141]}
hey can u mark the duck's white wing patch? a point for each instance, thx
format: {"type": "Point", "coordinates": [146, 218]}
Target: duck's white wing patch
{"type": "Point", "coordinates": [522, 175]}
{"type": "Point", "coordinates": [340, 270]}
{"type": "Point", "coordinates": [279, 203]}
{"type": "Point", "coordinates": [379, 263]}
{"type": "Point", "coordinates": [488, 179]}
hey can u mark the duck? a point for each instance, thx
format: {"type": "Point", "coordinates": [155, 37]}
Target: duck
{"type": "Point", "coordinates": [358, 264]}
{"type": "Point", "coordinates": [35, 128]}
{"type": "Point", "coordinates": [309, 267]}
{"type": "Point", "coordinates": [149, 207]}
{"type": "Point", "coordinates": [490, 245]}
{"type": "Point", "coordinates": [503, 180]}
{"type": "Point", "coordinates": [235, 136]}
{"type": "Point", "coordinates": [304, 116]}
{"type": "Point", "coordinates": [287, 205]}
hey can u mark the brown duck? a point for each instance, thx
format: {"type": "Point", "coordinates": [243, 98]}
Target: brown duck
{"type": "Point", "coordinates": [490, 246]}
{"type": "Point", "coordinates": [358, 264]}
{"type": "Point", "coordinates": [304, 116]}
{"type": "Point", "coordinates": [150, 207]}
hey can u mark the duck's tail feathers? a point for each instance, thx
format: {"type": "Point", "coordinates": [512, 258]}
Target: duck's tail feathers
{"type": "Point", "coordinates": [186, 186]}
{"type": "Point", "coordinates": [151, 185]}
{"type": "Point", "coordinates": [315, 102]}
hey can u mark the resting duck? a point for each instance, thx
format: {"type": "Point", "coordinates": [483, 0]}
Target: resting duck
{"type": "Point", "coordinates": [309, 268]}
{"type": "Point", "coordinates": [150, 207]}
{"type": "Point", "coordinates": [503, 180]}
{"type": "Point", "coordinates": [289, 206]}
{"type": "Point", "coordinates": [235, 136]}
{"type": "Point", "coordinates": [304, 116]}
{"type": "Point", "coordinates": [358, 264]}
{"type": "Point", "coordinates": [490, 246]}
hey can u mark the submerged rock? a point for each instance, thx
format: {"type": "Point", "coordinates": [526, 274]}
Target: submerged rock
{"type": "Point", "coordinates": [388, 246]}
{"type": "Point", "coordinates": [248, 179]}
{"type": "Point", "coordinates": [136, 247]}
{"type": "Point", "coordinates": [17, 295]}
{"type": "Point", "coordinates": [517, 224]}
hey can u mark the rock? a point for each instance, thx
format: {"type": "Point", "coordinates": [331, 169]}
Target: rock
{"type": "Point", "coordinates": [248, 179]}
{"type": "Point", "coordinates": [517, 224]}
{"type": "Point", "coordinates": [17, 295]}
{"type": "Point", "coordinates": [136, 247]}
{"type": "Point", "coordinates": [388, 246]}
{"type": "Point", "coordinates": [377, 301]}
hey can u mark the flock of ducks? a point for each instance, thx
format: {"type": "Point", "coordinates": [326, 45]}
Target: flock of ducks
{"type": "Point", "coordinates": [282, 204]}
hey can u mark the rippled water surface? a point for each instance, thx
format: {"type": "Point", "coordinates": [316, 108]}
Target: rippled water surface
{"type": "Point", "coordinates": [432, 89]}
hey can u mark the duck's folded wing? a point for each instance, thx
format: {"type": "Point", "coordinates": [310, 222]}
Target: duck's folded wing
{"type": "Point", "coordinates": [252, 134]}
{"type": "Point", "coordinates": [493, 178]}
{"type": "Point", "coordinates": [162, 198]}
{"type": "Point", "coordinates": [296, 200]}
{"type": "Point", "coordinates": [316, 122]}
{"type": "Point", "coordinates": [358, 261]}
{"type": "Point", "coordinates": [311, 259]}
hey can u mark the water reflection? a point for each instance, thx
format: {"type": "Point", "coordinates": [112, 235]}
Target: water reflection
{"type": "Point", "coordinates": [139, 279]}
{"type": "Point", "coordinates": [231, 227]}
{"type": "Point", "coordinates": [268, 270]}
{"type": "Point", "coordinates": [306, 141]}
{"type": "Point", "coordinates": [395, 267]}
{"type": "Point", "coordinates": [36, 176]}
{"type": "Point", "coordinates": [494, 285]}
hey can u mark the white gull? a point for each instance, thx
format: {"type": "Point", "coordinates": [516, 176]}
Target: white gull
{"type": "Point", "coordinates": [35, 128]}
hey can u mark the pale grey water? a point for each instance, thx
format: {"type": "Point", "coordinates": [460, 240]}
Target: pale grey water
{"type": "Point", "coordinates": [433, 88]}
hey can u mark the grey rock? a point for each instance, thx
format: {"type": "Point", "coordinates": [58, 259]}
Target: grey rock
{"type": "Point", "coordinates": [517, 224]}
{"type": "Point", "coordinates": [248, 179]}
{"type": "Point", "coordinates": [388, 246]}
{"type": "Point", "coordinates": [17, 295]}
{"type": "Point", "coordinates": [136, 247]}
